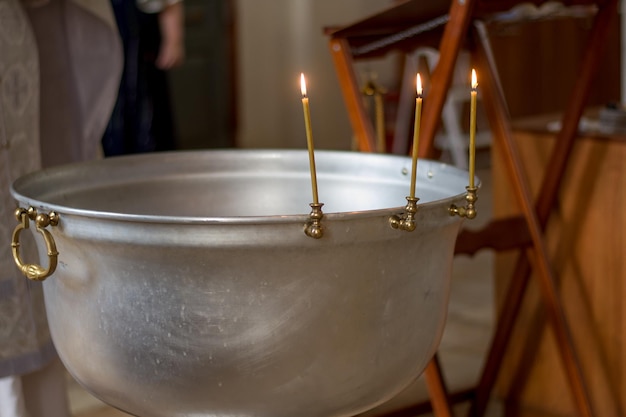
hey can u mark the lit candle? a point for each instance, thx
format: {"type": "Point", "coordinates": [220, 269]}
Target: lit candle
{"type": "Point", "coordinates": [472, 146]}
{"type": "Point", "coordinates": [309, 137]}
{"type": "Point", "coordinates": [416, 132]}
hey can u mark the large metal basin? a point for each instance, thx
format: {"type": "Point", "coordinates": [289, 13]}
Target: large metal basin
{"type": "Point", "coordinates": [187, 287]}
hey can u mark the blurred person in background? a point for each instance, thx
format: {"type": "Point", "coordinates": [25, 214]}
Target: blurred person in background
{"type": "Point", "coordinates": [153, 36]}
{"type": "Point", "coordinates": [60, 64]}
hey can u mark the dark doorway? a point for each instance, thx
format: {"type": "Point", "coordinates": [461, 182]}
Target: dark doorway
{"type": "Point", "coordinates": [203, 89]}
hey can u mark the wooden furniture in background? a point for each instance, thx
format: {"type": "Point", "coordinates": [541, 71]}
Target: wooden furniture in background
{"type": "Point", "coordinates": [538, 64]}
{"type": "Point", "coordinates": [451, 25]}
{"type": "Point", "coordinates": [586, 238]}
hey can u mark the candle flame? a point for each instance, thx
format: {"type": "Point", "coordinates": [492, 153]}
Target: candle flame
{"type": "Point", "coordinates": [418, 84]}
{"type": "Point", "coordinates": [302, 85]}
{"type": "Point", "coordinates": [474, 79]}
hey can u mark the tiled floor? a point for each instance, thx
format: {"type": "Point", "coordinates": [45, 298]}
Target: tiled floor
{"type": "Point", "coordinates": [465, 339]}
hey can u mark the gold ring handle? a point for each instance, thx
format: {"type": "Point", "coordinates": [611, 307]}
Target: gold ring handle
{"type": "Point", "coordinates": [23, 216]}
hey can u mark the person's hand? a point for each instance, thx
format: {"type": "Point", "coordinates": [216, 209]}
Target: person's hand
{"type": "Point", "coordinates": [172, 50]}
{"type": "Point", "coordinates": [171, 55]}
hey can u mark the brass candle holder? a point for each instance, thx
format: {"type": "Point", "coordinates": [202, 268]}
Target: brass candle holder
{"type": "Point", "coordinates": [469, 210]}
{"type": "Point", "coordinates": [313, 227]}
{"type": "Point", "coordinates": [406, 223]}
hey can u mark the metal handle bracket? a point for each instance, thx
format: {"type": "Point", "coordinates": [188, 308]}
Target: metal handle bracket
{"type": "Point", "coordinates": [24, 216]}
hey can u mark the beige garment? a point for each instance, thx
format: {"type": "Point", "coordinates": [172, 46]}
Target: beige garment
{"type": "Point", "coordinates": [70, 87]}
{"type": "Point", "coordinates": [80, 56]}
{"type": "Point", "coordinates": [11, 401]}
{"type": "Point", "coordinates": [24, 338]}
{"type": "Point", "coordinates": [25, 344]}
{"type": "Point", "coordinates": [59, 76]}
{"type": "Point", "coordinates": [37, 394]}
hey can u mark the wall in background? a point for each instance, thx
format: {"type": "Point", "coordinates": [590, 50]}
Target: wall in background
{"type": "Point", "coordinates": [277, 41]}
{"type": "Point", "coordinates": [240, 84]}
{"type": "Point", "coordinates": [202, 90]}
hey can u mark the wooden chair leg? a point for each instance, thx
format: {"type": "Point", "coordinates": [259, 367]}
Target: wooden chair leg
{"type": "Point", "coordinates": [344, 67]}
{"type": "Point", "coordinates": [454, 34]}
{"type": "Point", "coordinates": [437, 390]}
{"type": "Point", "coordinates": [495, 107]}
{"type": "Point", "coordinates": [545, 202]}
{"type": "Point", "coordinates": [596, 45]}
{"type": "Point", "coordinates": [452, 39]}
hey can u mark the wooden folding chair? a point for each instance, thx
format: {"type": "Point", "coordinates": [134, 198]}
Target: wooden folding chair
{"type": "Point", "coordinates": [450, 26]}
